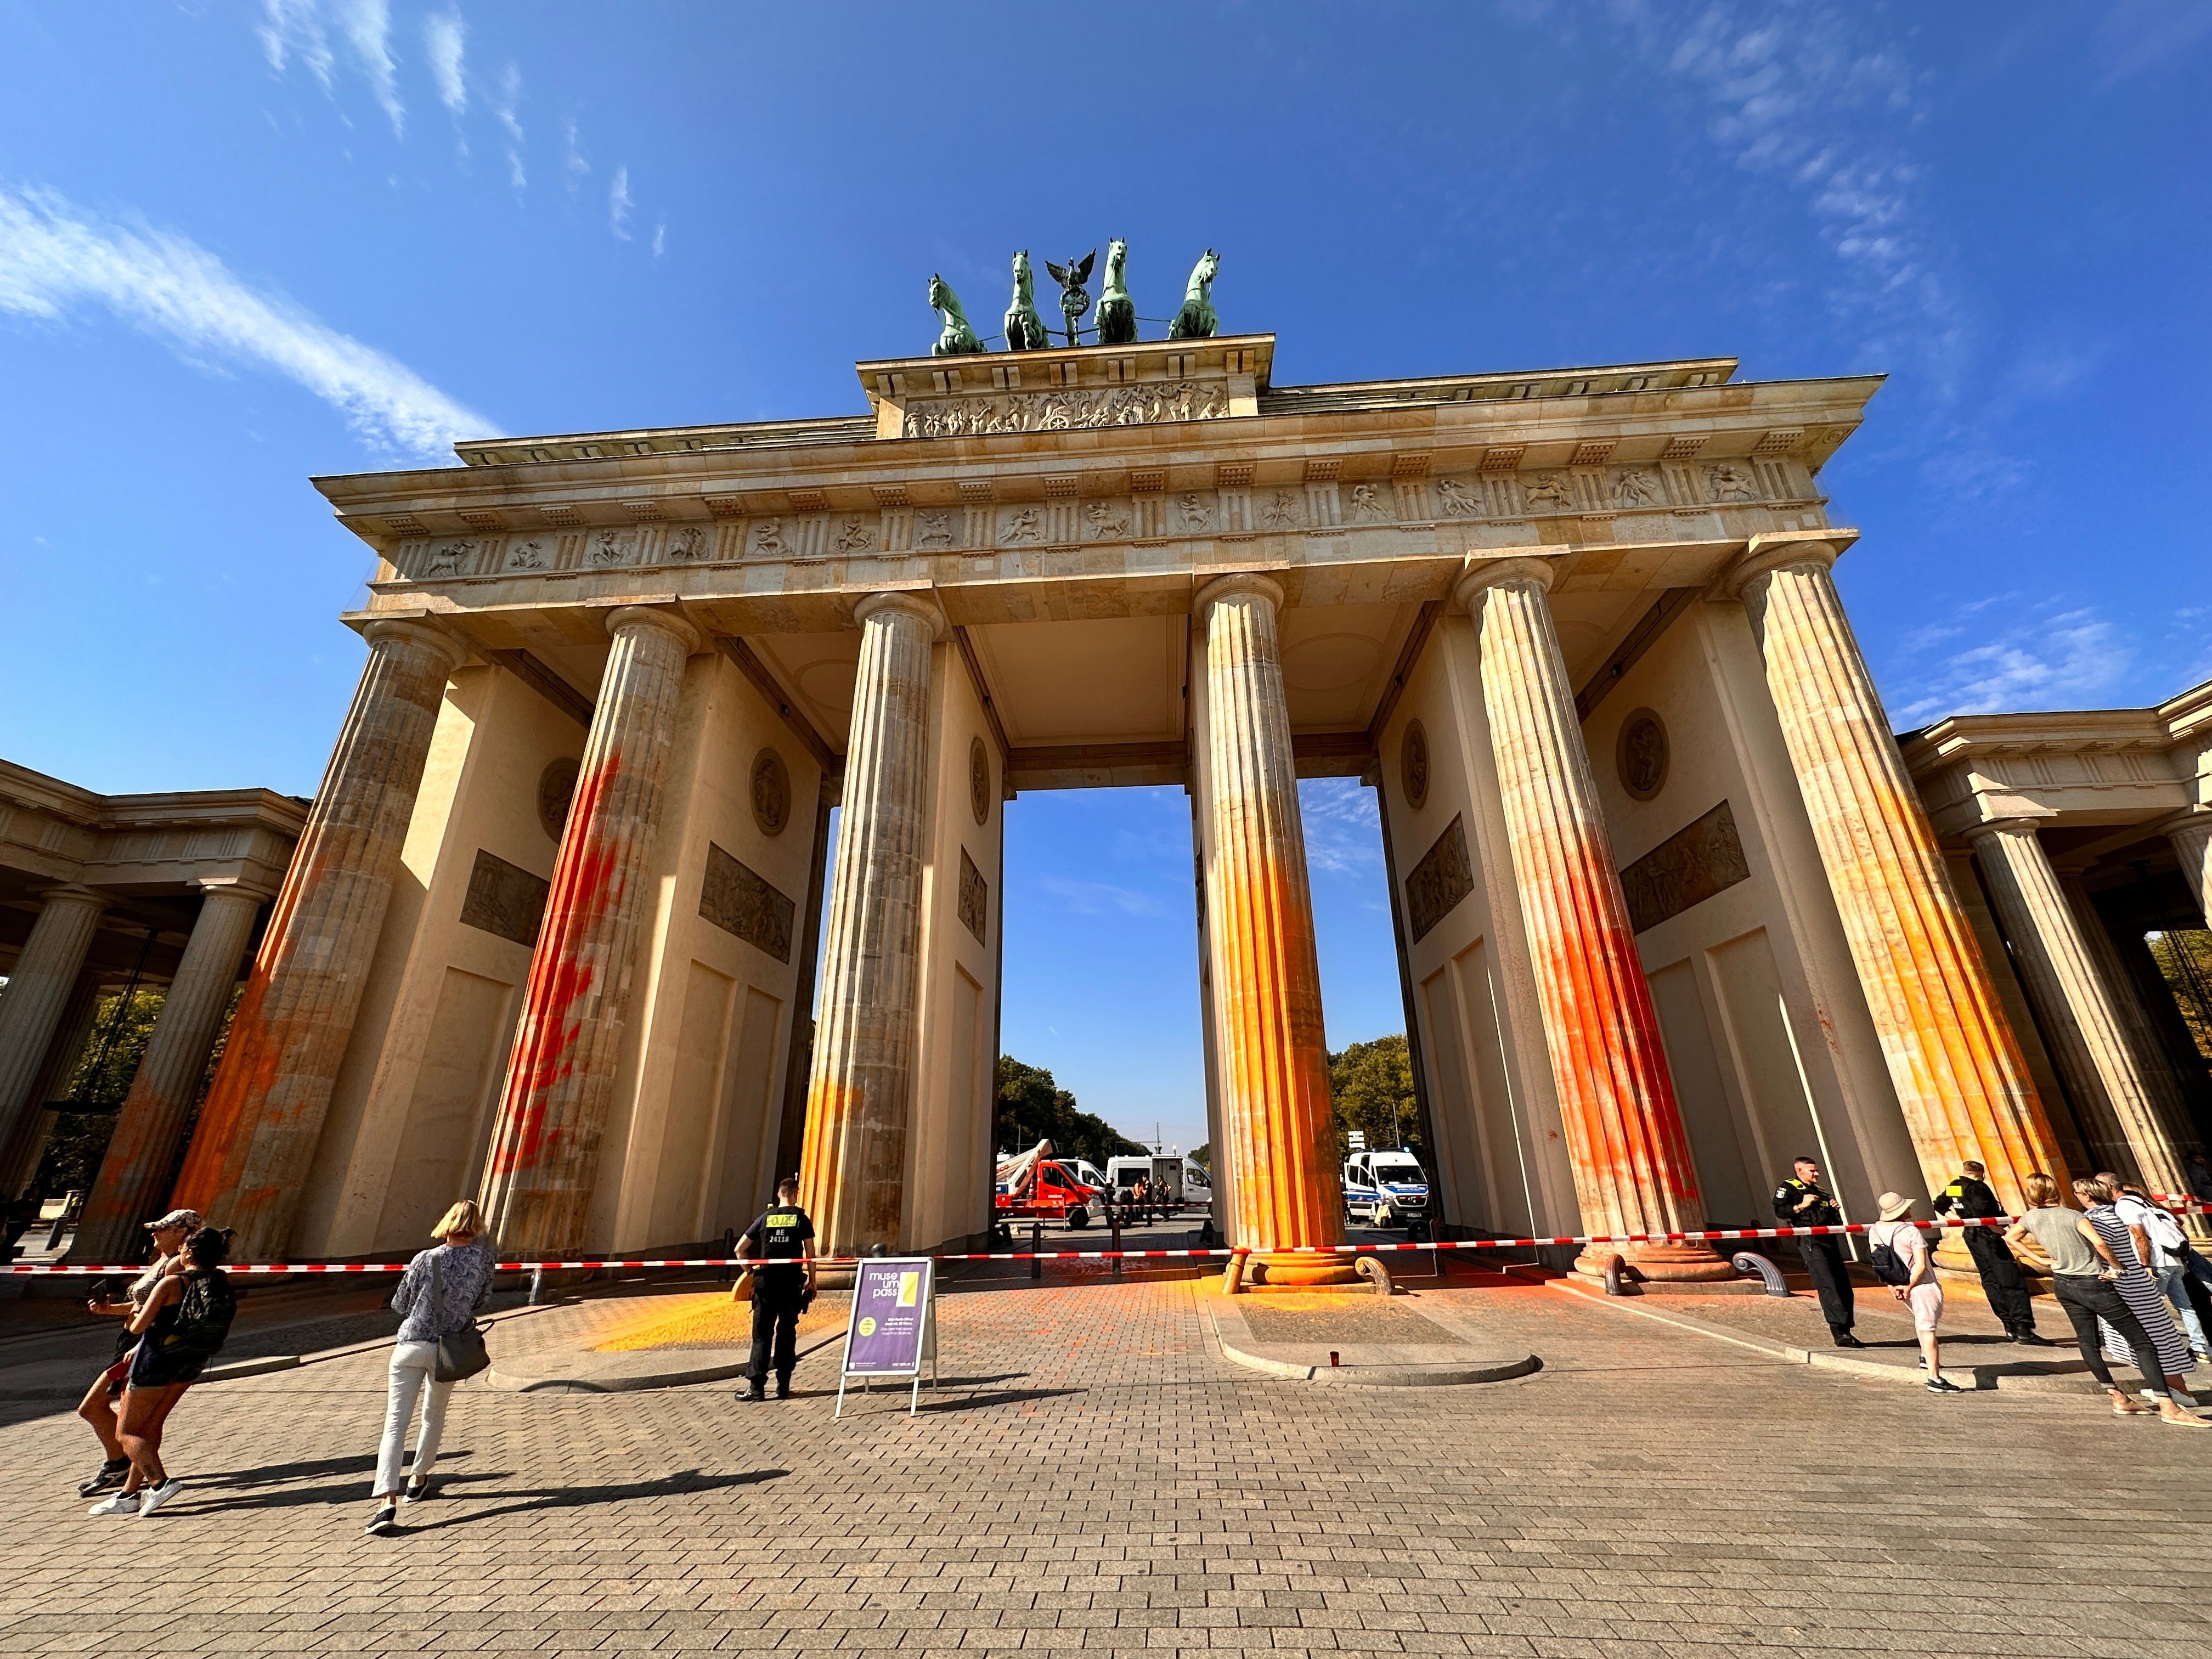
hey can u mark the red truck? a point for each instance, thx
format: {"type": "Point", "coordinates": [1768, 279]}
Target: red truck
{"type": "Point", "coordinates": [1036, 1187]}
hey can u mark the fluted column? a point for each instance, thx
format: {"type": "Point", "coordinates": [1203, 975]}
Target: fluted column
{"type": "Point", "coordinates": [2191, 836]}
{"type": "Point", "coordinates": [560, 1083]}
{"type": "Point", "coordinates": [1633, 1171]}
{"type": "Point", "coordinates": [2083, 1023]}
{"type": "Point", "coordinates": [1268, 1035]}
{"type": "Point", "coordinates": [859, 1097]}
{"type": "Point", "coordinates": [37, 991]}
{"type": "Point", "coordinates": [133, 1182]}
{"type": "Point", "coordinates": [27, 1143]}
{"type": "Point", "coordinates": [257, 1133]}
{"type": "Point", "coordinates": [1961, 1081]}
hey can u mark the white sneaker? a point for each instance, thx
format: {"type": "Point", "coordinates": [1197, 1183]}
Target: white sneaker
{"type": "Point", "coordinates": [154, 1496]}
{"type": "Point", "coordinates": [122, 1503]}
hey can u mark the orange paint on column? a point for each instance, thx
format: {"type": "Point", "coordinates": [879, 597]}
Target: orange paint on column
{"type": "Point", "coordinates": [1964, 1089]}
{"type": "Point", "coordinates": [1270, 1037]}
{"type": "Point", "coordinates": [559, 1090]}
{"type": "Point", "coordinates": [257, 1132]}
{"type": "Point", "coordinates": [1626, 1141]}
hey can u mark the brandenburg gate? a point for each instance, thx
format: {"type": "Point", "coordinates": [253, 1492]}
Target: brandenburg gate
{"type": "Point", "coordinates": [1668, 910]}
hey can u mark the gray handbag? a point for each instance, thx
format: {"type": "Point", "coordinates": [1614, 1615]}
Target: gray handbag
{"type": "Point", "coordinates": [460, 1353]}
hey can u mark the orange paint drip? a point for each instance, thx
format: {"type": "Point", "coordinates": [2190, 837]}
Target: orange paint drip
{"type": "Point", "coordinates": [586, 882]}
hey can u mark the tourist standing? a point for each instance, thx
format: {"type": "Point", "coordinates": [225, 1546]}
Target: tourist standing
{"type": "Point", "coordinates": [780, 1293]}
{"type": "Point", "coordinates": [460, 1265]}
{"type": "Point", "coordinates": [2197, 1170]}
{"type": "Point", "coordinates": [98, 1407]}
{"type": "Point", "coordinates": [2082, 1271]}
{"type": "Point", "coordinates": [2161, 1235]}
{"type": "Point", "coordinates": [1800, 1202]}
{"type": "Point", "coordinates": [1897, 1234]}
{"type": "Point", "coordinates": [181, 1328]}
{"type": "Point", "coordinates": [1972, 1199]}
{"type": "Point", "coordinates": [2131, 1252]}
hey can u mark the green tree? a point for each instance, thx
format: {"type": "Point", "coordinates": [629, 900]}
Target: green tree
{"type": "Point", "coordinates": [1033, 1107]}
{"type": "Point", "coordinates": [2184, 960]}
{"type": "Point", "coordinates": [1203, 1155]}
{"type": "Point", "coordinates": [84, 1126]}
{"type": "Point", "coordinates": [1370, 1085]}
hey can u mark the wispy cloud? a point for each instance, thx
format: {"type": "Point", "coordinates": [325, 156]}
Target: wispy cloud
{"type": "Point", "coordinates": [1343, 836]}
{"type": "Point", "coordinates": [506, 104]}
{"type": "Point", "coordinates": [55, 258]}
{"type": "Point", "coordinates": [1097, 898]}
{"type": "Point", "coordinates": [573, 164]}
{"type": "Point", "coordinates": [445, 41]}
{"type": "Point", "coordinates": [2137, 36]}
{"type": "Point", "coordinates": [660, 238]}
{"type": "Point", "coordinates": [1802, 97]}
{"type": "Point", "coordinates": [2048, 659]}
{"type": "Point", "coordinates": [618, 204]}
{"type": "Point", "coordinates": [302, 29]}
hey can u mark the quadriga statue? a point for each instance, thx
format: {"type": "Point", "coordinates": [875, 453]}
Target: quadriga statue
{"type": "Point", "coordinates": [957, 339]}
{"type": "Point", "coordinates": [1196, 320]}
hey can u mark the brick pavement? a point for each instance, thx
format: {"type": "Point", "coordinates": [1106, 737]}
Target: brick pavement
{"type": "Point", "coordinates": [1092, 1477]}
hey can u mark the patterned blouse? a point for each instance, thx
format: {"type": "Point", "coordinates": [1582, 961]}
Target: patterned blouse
{"type": "Point", "coordinates": [465, 1275]}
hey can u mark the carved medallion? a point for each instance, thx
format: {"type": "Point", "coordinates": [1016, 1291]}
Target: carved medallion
{"type": "Point", "coordinates": [771, 793]}
{"type": "Point", "coordinates": [979, 780]}
{"type": "Point", "coordinates": [1641, 753]}
{"type": "Point", "coordinates": [1413, 765]}
{"type": "Point", "coordinates": [556, 787]}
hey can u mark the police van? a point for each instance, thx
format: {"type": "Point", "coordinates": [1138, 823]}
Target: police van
{"type": "Point", "coordinates": [1385, 1188]}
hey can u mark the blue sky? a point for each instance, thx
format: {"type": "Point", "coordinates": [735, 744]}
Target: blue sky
{"type": "Point", "coordinates": [244, 242]}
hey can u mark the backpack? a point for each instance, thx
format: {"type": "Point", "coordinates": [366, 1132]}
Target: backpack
{"type": "Point", "coordinates": [1888, 1266]}
{"type": "Point", "coordinates": [204, 1315]}
{"type": "Point", "coordinates": [2163, 1230]}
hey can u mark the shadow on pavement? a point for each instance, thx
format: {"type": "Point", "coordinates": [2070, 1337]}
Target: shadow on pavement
{"type": "Point", "coordinates": [561, 1497]}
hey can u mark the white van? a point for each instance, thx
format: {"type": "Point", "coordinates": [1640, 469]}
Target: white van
{"type": "Point", "coordinates": [1176, 1182]}
{"type": "Point", "coordinates": [1385, 1188]}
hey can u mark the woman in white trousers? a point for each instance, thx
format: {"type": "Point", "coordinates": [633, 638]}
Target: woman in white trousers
{"type": "Point", "coordinates": [464, 1261]}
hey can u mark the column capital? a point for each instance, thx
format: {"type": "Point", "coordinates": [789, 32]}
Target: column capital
{"type": "Point", "coordinates": [418, 631]}
{"type": "Point", "coordinates": [233, 887]}
{"type": "Point", "coordinates": [1481, 574]}
{"type": "Point", "coordinates": [1237, 584]}
{"type": "Point", "coordinates": [70, 893]}
{"type": "Point", "coordinates": [665, 618]}
{"type": "Point", "coordinates": [2190, 820]}
{"type": "Point", "coordinates": [2018, 828]}
{"type": "Point", "coordinates": [1765, 555]}
{"type": "Point", "coordinates": [916, 602]}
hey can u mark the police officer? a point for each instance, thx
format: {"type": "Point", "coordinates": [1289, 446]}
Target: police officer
{"type": "Point", "coordinates": [1972, 1198]}
{"type": "Point", "coordinates": [779, 1293]}
{"type": "Point", "coordinates": [1799, 1202]}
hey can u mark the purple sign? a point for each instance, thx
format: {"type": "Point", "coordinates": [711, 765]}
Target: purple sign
{"type": "Point", "coordinates": [890, 1311]}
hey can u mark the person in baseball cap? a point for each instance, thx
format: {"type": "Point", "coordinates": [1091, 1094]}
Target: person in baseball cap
{"type": "Point", "coordinates": [98, 1407]}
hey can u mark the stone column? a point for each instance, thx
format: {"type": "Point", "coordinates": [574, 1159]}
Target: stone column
{"type": "Point", "coordinates": [860, 1096]}
{"type": "Point", "coordinates": [1961, 1081]}
{"type": "Point", "coordinates": [1268, 1034]}
{"type": "Point", "coordinates": [2191, 835]}
{"type": "Point", "coordinates": [2082, 1020]}
{"type": "Point", "coordinates": [19, 1161]}
{"type": "Point", "coordinates": [37, 991]}
{"type": "Point", "coordinates": [559, 1081]}
{"type": "Point", "coordinates": [257, 1133]}
{"type": "Point", "coordinates": [1633, 1171]}
{"type": "Point", "coordinates": [133, 1183]}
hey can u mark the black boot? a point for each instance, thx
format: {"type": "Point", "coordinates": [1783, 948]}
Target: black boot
{"type": "Point", "coordinates": [2029, 1338]}
{"type": "Point", "coordinates": [783, 1387]}
{"type": "Point", "coordinates": [754, 1391]}
{"type": "Point", "coordinates": [1844, 1339]}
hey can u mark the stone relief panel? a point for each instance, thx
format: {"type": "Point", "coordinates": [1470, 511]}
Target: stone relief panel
{"type": "Point", "coordinates": [974, 898]}
{"type": "Point", "coordinates": [1435, 885]}
{"type": "Point", "coordinates": [1687, 868]}
{"type": "Point", "coordinates": [743, 903]}
{"type": "Point", "coordinates": [505, 899]}
{"type": "Point", "coordinates": [771, 793]}
{"type": "Point", "coordinates": [1064, 409]}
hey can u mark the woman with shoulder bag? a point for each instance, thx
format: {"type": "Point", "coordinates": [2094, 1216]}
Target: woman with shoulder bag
{"type": "Point", "coordinates": [180, 1328]}
{"type": "Point", "coordinates": [440, 1343]}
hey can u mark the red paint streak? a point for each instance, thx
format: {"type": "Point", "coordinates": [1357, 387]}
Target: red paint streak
{"type": "Point", "coordinates": [585, 887]}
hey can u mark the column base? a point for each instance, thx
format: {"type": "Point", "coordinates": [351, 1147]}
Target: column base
{"type": "Point", "coordinates": [1664, 1264]}
{"type": "Point", "coordinates": [1298, 1273]}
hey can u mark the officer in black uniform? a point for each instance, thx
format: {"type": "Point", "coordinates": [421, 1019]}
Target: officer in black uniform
{"type": "Point", "coordinates": [1801, 1202]}
{"type": "Point", "coordinates": [1972, 1198]}
{"type": "Point", "coordinates": [780, 1294]}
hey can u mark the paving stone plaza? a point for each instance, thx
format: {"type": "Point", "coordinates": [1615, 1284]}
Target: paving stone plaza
{"type": "Point", "coordinates": [1093, 1475]}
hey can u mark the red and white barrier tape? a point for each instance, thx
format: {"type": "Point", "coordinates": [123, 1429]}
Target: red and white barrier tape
{"type": "Point", "coordinates": [1578, 1240]}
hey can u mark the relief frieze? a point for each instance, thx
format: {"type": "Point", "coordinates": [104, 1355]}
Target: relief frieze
{"type": "Point", "coordinates": [505, 899]}
{"type": "Point", "coordinates": [1066, 409]}
{"type": "Point", "coordinates": [1687, 868]}
{"type": "Point", "coordinates": [1435, 885]}
{"type": "Point", "coordinates": [741, 901]}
